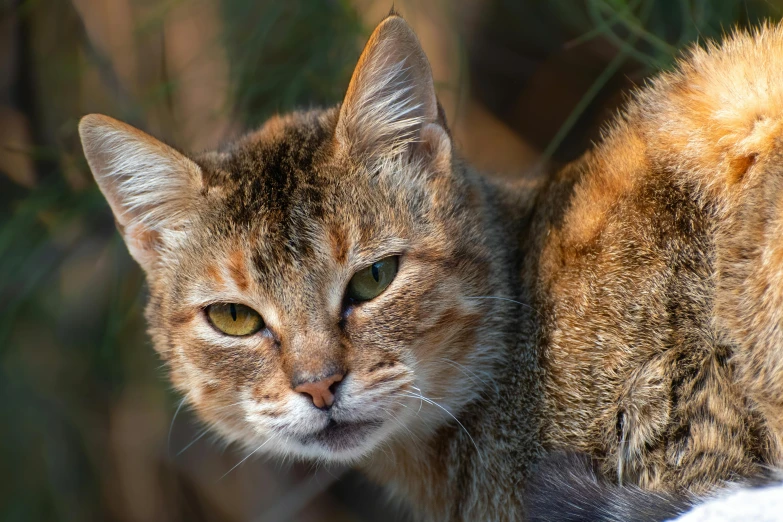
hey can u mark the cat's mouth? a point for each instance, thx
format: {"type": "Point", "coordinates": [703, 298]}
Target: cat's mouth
{"type": "Point", "coordinates": [341, 436]}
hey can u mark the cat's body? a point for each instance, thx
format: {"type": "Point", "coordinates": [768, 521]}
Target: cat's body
{"type": "Point", "coordinates": [627, 308]}
{"type": "Point", "coordinates": [661, 277]}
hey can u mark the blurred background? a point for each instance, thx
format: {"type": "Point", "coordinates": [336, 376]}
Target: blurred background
{"type": "Point", "coordinates": [89, 427]}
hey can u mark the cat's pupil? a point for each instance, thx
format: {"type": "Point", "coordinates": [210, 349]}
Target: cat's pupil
{"type": "Point", "coordinates": [234, 312]}
{"type": "Point", "coordinates": [375, 272]}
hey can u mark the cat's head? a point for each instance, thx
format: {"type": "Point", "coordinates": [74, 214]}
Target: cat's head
{"type": "Point", "coordinates": [311, 281]}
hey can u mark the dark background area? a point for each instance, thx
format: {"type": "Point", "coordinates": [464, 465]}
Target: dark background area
{"type": "Point", "coordinates": [89, 426]}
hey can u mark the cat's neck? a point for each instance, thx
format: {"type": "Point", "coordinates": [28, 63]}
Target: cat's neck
{"type": "Point", "coordinates": [475, 465]}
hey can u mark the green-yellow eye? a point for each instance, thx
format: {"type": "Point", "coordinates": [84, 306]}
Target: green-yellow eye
{"type": "Point", "coordinates": [368, 283]}
{"type": "Point", "coordinates": [234, 319]}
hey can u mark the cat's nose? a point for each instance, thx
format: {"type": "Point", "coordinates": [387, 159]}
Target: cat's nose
{"type": "Point", "coordinates": [321, 391]}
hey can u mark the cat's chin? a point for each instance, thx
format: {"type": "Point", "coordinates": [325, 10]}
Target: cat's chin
{"type": "Point", "coordinates": [342, 436]}
{"type": "Point", "coordinates": [342, 442]}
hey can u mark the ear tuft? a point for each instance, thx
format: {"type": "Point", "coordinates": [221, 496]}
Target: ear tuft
{"type": "Point", "coordinates": [435, 146]}
{"type": "Point", "coordinates": [391, 94]}
{"type": "Point", "coordinates": [150, 187]}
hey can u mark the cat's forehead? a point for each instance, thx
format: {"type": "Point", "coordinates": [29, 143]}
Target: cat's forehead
{"type": "Point", "coordinates": [281, 166]}
{"type": "Point", "coordinates": [286, 201]}
{"type": "Point", "coordinates": [291, 175]}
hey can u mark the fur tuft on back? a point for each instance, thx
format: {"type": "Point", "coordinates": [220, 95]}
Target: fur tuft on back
{"type": "Point", "coordinates": [711, 118]}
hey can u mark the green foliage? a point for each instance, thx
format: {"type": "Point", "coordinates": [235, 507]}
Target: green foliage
{"type": "Point", "coordinates": [286, 55]}
{"type": "Point", "coordinates": [651, 33]}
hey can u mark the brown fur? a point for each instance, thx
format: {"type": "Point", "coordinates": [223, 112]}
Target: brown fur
{"type": "Point", "coordinates": [650, 303]}
{"type": "Point", "coordinates": [629, 307]}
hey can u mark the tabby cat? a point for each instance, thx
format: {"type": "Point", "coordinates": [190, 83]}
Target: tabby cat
{"type": "Point", "coordinates": [340, 286]}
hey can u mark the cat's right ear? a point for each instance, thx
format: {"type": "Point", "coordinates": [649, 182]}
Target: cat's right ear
{"type": "Point", "coordinates": [150, 187]}
{"type": "Point", "coordinates": [390, 108]}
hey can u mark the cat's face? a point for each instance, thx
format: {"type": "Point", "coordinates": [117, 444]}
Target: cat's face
{"type": "Point", "coordinates": [291, 242]}
{"type": "Point", "coordinates": [315, 284]}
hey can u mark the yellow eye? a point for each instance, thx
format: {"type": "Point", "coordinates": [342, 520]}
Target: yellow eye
{"type": "Point", "coordinates": [368, 283]}
{"type": "Point", "coordinates": [234, 319]}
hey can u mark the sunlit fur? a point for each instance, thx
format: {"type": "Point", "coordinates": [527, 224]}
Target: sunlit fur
{"type": "Point", "coordinates": [629, 307]}
{"type": "Point", "coordinates": [662, 277]}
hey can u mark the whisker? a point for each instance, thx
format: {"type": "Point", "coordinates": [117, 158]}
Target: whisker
{"type": "Point", "coordinates": [419, 389]}
{"type": "Point", "coordinates": [415, 438]}
{"type": "Point", "coordinates": [198, 438]}
{"type": "Point", "coordinates": [421, 397]}
{"type": "Point", "coordinates": [470, 374]}
{"type": "Point", "coordinates": [500, 299]}
{"type": "Point", "coordinates": [395, 419]}
{"type": "Point", "coordinates": [405, 406]}
{"type": "Point", "coordinates": [383, 447]}
{"type": "Point", "coordinates": [243, 460]}
{"type": "Point", "coordinates": [430, 401]}
{"type": "Point", "coordinates": [171, 426]}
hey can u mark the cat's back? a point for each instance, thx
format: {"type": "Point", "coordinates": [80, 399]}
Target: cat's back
{"type": "Point", "coordinates": [639, 369]}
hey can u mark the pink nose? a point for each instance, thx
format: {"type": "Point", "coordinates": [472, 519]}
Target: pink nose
{"type": "Point", "coordinates": [321, 391]}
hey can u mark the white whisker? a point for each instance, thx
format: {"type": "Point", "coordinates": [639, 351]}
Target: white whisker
{"type": "Point", "coordinates": [243, 460]}
{"type": "Point", "coordinates": [421, 398]}
{"type": "Point", "coordinates": [171, 426]}
{"type": "Point", "coordinates": [401, 424]}
{"type": "Point", "coordinates": [470, 374]}
{"type": "Point", "coordinates": [198, 438]}
{"type": "Point", "coordinates": [500, 299]}
{"type": "Point", "coordinates": [430, 401]}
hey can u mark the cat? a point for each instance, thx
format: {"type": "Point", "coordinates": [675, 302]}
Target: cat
{"type": "Point", "coordinates": [340, 286]}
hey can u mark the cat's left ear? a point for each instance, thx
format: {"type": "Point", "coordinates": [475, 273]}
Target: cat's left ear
{"type": "Point", "coordinates": [390, 108]}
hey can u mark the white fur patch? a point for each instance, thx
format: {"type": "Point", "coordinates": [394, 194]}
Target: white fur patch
{"type": "Point", "coordinates": [757, 504]}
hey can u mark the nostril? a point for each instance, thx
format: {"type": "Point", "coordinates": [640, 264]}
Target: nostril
{"type": "Point", "coordinates": [335, 385]}
{"type": "Point", "coordinates": [321, 391]}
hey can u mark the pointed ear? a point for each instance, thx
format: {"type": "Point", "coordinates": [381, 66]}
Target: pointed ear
{"type": "Point", "coordinates": [390, 107]}
{"type": "Point", "coordinates": [150, 187]}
